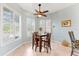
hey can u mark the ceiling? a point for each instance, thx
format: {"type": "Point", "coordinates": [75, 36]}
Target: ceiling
{"type": "Point", "coordinates": [52, 7]}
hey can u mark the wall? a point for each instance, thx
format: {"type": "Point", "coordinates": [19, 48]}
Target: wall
{"type": "Point", "coordinates": [61, 33]}
{"type": "Point", "coordinates": [0, 24]}
{"type": "Point", "coordinates": [14, 44]}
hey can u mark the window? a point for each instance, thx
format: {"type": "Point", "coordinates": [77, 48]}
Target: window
{"type": "Point", "coordinates": [7, 24]}
{"type": "Point", "coordinates": [17, 24]}
{"type": "Point", "coordinates": [7, 19]}
{"type": "Point", "coordinates": [48, 26]}
{"type": "Point", "coordinates": [42, 25]}
{"type": "Point", "coordinates": [45, 25]}
{"type": "Point", "coordinates": [11, 25]}
{"type": "Point", "coordinates": [30, 27]}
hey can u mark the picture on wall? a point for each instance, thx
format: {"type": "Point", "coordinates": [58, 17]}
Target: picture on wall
{"type": "Point", "coordinates": [66, 23]}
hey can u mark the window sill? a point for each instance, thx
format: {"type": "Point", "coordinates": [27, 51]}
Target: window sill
{"type": "Point", "coordinates": [10, 41]}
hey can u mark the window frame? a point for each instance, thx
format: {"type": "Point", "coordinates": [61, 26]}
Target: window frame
{"type": "Point", "coordinates": [14, 12]}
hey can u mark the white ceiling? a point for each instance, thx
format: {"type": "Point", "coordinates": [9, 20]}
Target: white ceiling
{"type": "Point", "coordinates": [52, 7]}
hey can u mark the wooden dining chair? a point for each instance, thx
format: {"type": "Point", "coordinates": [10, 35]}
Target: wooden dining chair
{"type": "Point", "coordinates": [74, 51]}
{"type": "Point", "coordinates": [47, 41]}
{"type": "Point", "coordinates": [35, 40]}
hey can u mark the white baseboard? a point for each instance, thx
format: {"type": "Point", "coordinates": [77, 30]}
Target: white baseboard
{"type": "Point", "coordinates": [58, 42]}
{"type": "Point", "coordinates": [13, 49]}
{"type": "Point", "coordinates": [27, 41]}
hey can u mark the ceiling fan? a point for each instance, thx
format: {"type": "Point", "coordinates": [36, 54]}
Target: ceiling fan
{"type": "Point", "coordinates": [40, 13]}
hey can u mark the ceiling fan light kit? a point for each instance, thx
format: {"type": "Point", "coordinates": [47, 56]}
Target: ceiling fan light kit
{"type": "Point", "coordinates": [39, 15]}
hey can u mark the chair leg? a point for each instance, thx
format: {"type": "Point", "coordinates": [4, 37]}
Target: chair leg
{"type": "Point", "coordinates": [72, 50]}
{"type": "Point", "coordinates": [44, 44]}
{"type": "Point", "coordinates": [71, 53]}
{"type": "Point", "coordinates": [50, 47]}
{"type": "Point", "coordinates": [47, 49]}
{"type": "Point", "coordinates": [35, 48]}
{"type": "Point", "coordinates": [32, 46]}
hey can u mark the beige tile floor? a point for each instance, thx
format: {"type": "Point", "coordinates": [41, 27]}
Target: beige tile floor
{"type": "Point", "coordinates": [26, 50]}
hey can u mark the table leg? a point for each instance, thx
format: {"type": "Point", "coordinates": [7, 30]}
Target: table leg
{"type": "Point", "coordinates": [40, 47]}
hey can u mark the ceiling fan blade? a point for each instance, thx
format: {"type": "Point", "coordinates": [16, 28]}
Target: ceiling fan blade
{"type": "Point", "coordinates": [45, 11]}
{"type": "Point", "coordinates": [44, 15]}
{"type": "Point", "coordinates": [35, 14]}
{"type": "Point", "coordinates": [36, 10]}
